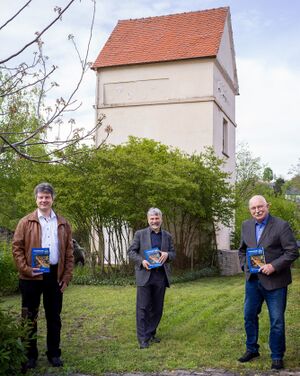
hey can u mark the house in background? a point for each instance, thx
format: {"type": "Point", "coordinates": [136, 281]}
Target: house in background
{"type": "Point", "coordinates": [293, 194]}
{"type": "Point", "coordinates": [172, 79]}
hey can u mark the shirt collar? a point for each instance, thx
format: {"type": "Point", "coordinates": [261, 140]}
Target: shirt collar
{"type": "Point", "coordinates": [264, 222]}
{"type": "Point", "coordinates": [153, 232]}
{"type": "Point", "coordinates": [40, 214]}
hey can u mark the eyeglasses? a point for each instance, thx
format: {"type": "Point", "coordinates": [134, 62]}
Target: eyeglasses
{"type": "Point", "coordinates": [258, 207]}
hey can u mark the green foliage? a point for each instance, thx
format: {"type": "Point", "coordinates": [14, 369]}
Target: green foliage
{"type": "Point", "coordinates": [267, 174]}
{"type": "Point", "coordinates": [84, 276]}
{"type": "Point", "coordinates": [13, 342]}
{"type": "Point", "coordinates": [8, 271]}
{"type": "Point", "coordinates": [278, 184]}
{"type": "Point", "coordinates": [125, 180]}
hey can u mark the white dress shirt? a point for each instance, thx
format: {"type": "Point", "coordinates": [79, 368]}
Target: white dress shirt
{"type": "Point", "coordinates": [49, 235]}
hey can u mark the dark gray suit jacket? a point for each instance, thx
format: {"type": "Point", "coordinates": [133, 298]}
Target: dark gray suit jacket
{"type": "Point", "coordinates": [280, 249]}
{"type": "Point", "coordinates": [141, 242]}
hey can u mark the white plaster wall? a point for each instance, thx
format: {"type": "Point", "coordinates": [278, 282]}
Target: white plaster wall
{"type": "Point", "coordinates": [218, 140]}
{"type": "Point", "coordinates": [223, 234]}
{"type": "Point", "coordinates": [187, 126]}
{"type": "Point", "coordinates": [226, 53]}
{"type": "Point", "coordinates": [224, 93]}
{"type": "Point", "coordinates": [152, 83]}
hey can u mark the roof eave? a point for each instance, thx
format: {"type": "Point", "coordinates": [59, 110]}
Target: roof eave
{"type": "Point", "coordinates": [97, 67]}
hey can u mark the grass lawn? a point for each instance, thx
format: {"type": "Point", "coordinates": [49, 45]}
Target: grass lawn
{"type": "Point", "coordinates": [202, 327]}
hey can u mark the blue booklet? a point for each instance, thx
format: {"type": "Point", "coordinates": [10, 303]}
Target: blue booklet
{"type": "Point", "coordinates": [40, 259]}
{"type": "Point", "coordinates": [256, 259]}
{"type": "Point", "coordinates": [152, 256]}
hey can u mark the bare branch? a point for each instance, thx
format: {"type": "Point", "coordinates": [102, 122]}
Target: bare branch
{"type": "Point", "coordinates": [15, 15]}
{"type": "Point", "coordinates": [35, 40]}
{"type": "Point", "coordinates": [36, 77]}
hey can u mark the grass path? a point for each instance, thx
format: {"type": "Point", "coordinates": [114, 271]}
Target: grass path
{"type": "Point", "coordinates": [202, 327]}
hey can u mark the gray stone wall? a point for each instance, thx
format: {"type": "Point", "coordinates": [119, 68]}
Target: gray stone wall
{"type": "Point", "coordinates": [229, 262]}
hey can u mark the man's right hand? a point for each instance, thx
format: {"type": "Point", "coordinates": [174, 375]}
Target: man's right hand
{"type": "Point", "coordinates": [146, 264]}
{"type": "Point", "coordinates": [35, 272]}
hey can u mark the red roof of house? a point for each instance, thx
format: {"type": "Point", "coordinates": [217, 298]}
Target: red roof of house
{"type": "Point", "coordinates": [164, 38]}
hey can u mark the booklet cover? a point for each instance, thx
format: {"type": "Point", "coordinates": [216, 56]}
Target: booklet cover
{"type": "Point", "coordinates": [256, 259]}
{"type": "Point", "coordinates": [40, 259]}
{"type": "Point", "coordinates": [152, 256]}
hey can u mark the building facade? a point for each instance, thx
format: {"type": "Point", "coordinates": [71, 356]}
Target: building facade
{"type": "Point", "coordinates": [172, 79]}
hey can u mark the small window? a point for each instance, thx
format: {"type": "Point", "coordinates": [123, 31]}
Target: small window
{"type": "Point", "coordinates": [225, 138]}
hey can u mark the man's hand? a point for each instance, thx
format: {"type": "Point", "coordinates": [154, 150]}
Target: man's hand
{"type": "Point", "coordinates": [267, 269]}
{"type": "Point", "coordinates": [35, 272]}
{"type": "Point", "coordinates": [62, 286]}
{"type": "Point", "coordinates": [163, 257]}
{"type": "Point", "coordinates": [146, 264]}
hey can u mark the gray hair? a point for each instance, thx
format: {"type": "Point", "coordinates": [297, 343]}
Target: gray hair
{"type": "Point", "coordinates": [154, 211]}
{"type": "Point", "coordinates": [44, 187]}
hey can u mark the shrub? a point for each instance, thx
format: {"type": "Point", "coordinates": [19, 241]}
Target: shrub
{"type": "Point", "coordinates": [13, 343]}
{"type": "Point", "coordinates": [8, 271]}
{"type": "Point", "coordinates": [84, 276]}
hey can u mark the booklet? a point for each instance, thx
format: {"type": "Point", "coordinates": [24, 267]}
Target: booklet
{"type": "Point", "coordinates": [152, 256]}
{"type": "Point", "coordinates": [40, 259]}
{"type": "Point", "coordinates": [256, 259]}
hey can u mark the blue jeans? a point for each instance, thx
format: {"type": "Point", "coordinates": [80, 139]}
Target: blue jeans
{"type": "Point", "coordinates": [255, 295]}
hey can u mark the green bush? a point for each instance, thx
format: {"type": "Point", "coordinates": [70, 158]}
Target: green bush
{"type": "Point", "coordinates": [8, 271]}
{"type": "Point", "coordinates": [84, 276]}
{"type": "Point", "coordinates": [13, 343]}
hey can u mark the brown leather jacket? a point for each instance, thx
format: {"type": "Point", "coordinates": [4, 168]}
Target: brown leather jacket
{"type": "Point", "coordinates": [28, 236]}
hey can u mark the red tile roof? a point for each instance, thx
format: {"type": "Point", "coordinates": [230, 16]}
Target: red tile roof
{"type": "Point", "coordinates": [164, 38]}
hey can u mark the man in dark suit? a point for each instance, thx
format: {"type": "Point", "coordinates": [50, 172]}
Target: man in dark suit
{"type": "Point", "coordinates": [151, 283]}
{"type": "Point", "coordinates": [270, 284]}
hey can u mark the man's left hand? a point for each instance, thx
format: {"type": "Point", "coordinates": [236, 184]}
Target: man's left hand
{"type": "Point", "coordinates": [163, 257]}
{"type": "Point", "coordinates": [267, 269]}
{"type": "Point", "coordinates": [62, 286]}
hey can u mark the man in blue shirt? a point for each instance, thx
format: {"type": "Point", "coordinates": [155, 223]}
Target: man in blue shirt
{"type": "Point", "coordinates": [270, 284]}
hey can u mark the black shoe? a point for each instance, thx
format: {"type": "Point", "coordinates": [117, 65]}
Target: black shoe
{"type": "Point", "coordinates": [144, 345]}
{"type": "Point", "coordinates": [248, 356]}
{"type": "Point", "coordinates": [154, 339]}
{"type": "Point", "coordinates": [56, 361]}
{"type": "Point", "coordinates": [277, 364]}
{"type": "Point", "coordinates": [30, 364]}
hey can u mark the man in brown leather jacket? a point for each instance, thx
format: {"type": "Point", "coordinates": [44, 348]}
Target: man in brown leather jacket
{"type": "Point", "coordinates": [44, 229]}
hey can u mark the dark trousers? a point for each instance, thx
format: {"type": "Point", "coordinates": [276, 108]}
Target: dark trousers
{"type": "Point", "coordinates": [149, 304]}
{"type": "Point", "coordinates": [276, 299]}
{"type": "Point", "coordinates": [52, 300]}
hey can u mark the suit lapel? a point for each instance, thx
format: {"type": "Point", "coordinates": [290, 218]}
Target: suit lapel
{"type": "Point", "coordinates": [148, 239]}
{"type": "Point", "coordinates": [164, 245]}
{"type": "Point", "coordinates": [252, 232]}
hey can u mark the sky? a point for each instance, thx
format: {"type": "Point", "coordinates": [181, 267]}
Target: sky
{"type": "Point", "coordinates": [266, 38]}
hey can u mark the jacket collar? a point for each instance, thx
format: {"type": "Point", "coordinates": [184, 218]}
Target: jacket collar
{"type": "Point", "coordinates": [34, 217]}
